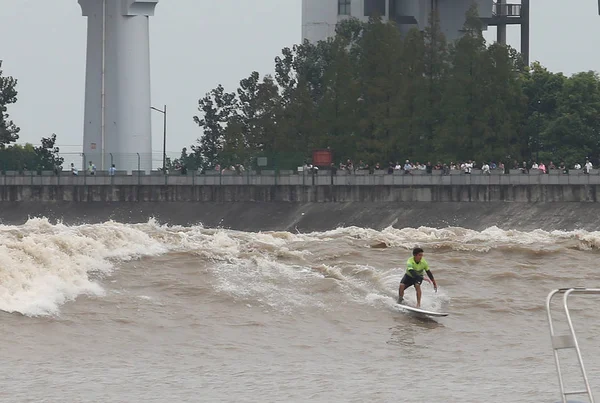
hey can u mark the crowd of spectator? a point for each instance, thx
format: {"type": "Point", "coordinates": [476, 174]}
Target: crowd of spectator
{"type": "Point", "coordinates": [465, 167]}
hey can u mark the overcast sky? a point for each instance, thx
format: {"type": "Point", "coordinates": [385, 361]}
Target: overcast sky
{"type": "Point", "coordinates": [197, 44]}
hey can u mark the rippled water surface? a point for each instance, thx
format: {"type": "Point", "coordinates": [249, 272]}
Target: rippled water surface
{"type": "Point", "coordinates": [157, 313]}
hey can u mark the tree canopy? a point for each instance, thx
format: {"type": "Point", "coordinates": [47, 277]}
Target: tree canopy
{"type": "Point", "coordinates": [373, 94]}
{"type": "Point", "coordinates": [8, 95]}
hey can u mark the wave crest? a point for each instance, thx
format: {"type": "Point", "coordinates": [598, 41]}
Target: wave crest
{"type": "Point", "coordinates": [44, 265]}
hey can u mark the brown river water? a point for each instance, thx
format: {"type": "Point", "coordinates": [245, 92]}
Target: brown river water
{"type": "Point", "coordinates": [155, 313]}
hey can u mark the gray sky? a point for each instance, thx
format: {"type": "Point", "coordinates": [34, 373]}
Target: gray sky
{"type": "Point", "coordinates": [203, 43]}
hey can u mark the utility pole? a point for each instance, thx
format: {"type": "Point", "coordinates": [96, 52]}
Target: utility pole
{"type": "Point", "coordinates": [164, 112]}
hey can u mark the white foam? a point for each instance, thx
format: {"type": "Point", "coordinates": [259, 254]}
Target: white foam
{"type": "Point", "coordinates": [42, 266]}
{"type": "Point", "coordinates": [460, 238]}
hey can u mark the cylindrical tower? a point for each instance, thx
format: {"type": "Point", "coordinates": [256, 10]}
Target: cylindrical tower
{"type": "Point", "coordinates": [117, 126]}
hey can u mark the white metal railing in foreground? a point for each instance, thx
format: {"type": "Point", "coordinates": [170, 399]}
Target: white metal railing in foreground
{"type": "Point", "coordinates": [569, 340]}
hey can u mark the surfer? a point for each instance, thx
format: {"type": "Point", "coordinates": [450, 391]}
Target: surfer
{"type": "Point", "coordinates": [415, 267]}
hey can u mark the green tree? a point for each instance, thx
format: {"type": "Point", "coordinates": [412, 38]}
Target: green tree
{"type": "Point", "coordinates": [217, 107]}
{"type": "Point", "coordinates": [413, 132]}
{"type": "Point", "coordinates": [47, 157]}
{"type": "Point", "coordinates": [17, 158]}
{"type": "Point", "coordinates": [300, 122]}
{"type": "Point", "coordinates": [235, 149]}
{"type": "Point", "coordinates": [260, 110]}
{"type": "Point", "coordinates": [9, 132]}
{"type": "Point", "coordinates": [335, 115]}
{"type": "Point", "coordinates": [575, 132]}
{"type": "Point", "coordinates": [436, 65]}
{"type": "Point", "coordinates": [501, 132]}
{"type": "Point", "coordinates": [380, 71]}
{"type": "Point", "coordinates": [544, 91]}
{"type": "Point", "coordinates": [192, 161]}
{"type": "Point", "coordinates": [296, 123]}
{"type": "Point", "coordinates": [466, 111]}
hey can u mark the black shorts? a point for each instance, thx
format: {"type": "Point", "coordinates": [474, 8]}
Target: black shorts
{"type": "Point", "coordinates": [409, 281]}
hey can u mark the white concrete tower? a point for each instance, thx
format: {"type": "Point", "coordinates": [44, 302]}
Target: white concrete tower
{"type": "Point", "coordinates": [117, 87]}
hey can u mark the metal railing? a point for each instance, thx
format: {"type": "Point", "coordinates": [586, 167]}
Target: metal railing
{"type": "Point", "coordinates": [568, 340]}
{"type": "Point", "coordinates": [81, 161]}
{"type": "Point", "coordinates": [122, 161]}
{"type": "Point", "coordinates": [153, 161]}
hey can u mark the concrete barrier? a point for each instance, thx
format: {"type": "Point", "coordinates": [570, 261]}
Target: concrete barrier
{"type": "Point", "coordinates": [302, 188]}
{"type": "Point", "coordinates": [322, 179]}
{"type": "Point", "coordinates": [154, 189]}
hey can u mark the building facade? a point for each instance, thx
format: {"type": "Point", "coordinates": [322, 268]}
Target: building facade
{"type": "Point", "coordinates": [319, 17]}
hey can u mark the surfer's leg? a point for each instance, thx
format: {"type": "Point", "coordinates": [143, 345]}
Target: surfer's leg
{"type": "Point", "coordinates": [401, 293]}
{"type": "Point", "coordinates": [404, 284]}
{"type": "Point", "coordinates": [418, 288]}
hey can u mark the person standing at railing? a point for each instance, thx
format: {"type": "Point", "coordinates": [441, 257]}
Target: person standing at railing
{"type": "Point", "coordinates": [524, 168]}
{"type": "Point", "coordinates": [112, 170]}
{"type": "Point", "coordinates": [587, 167]}
{"type": "Point", "coordinates": [467, 167]}
{"type": "Point", "coordinates": [446, 169]}
{"type": "Point", "coordinates": [563, 168]}
{"type": "Point", "coordinates": [407, 168]}
{"type": "Point", "coordinates": [542, 167]}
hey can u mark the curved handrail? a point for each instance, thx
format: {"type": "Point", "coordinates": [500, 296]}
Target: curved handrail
{"type": "Point", "coordinates": [568, 341]}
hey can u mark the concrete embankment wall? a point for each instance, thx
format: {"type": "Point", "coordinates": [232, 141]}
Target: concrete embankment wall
{"type": "Point", "coordinates": [310, 208]}
{"type": "Point", "coordinates": [300, 194]}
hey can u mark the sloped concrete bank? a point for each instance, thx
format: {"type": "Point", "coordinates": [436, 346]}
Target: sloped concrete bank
{"type": "Point", "coordinates": [309, 216]}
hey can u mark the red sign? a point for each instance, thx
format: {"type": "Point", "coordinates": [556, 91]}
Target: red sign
{"type": "Point", "coordinates": [322, 158]}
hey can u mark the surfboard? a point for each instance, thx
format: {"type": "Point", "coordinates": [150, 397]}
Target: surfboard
{"type": "Point", "coordinates": [421, 311]}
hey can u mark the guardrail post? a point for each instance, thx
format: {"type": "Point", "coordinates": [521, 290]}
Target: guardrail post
{"type": "Point", "coordinates": [84, 169]}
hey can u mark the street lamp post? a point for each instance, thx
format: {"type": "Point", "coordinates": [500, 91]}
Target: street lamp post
{"type": "Point", "coordinates": [164, 112]}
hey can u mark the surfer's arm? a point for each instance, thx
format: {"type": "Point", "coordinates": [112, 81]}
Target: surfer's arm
{"type": "Point", "coordinates": [430, 275]}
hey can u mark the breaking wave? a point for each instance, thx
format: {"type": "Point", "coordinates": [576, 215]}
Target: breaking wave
{"type": "Point", "coordinates": [43, 266]}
